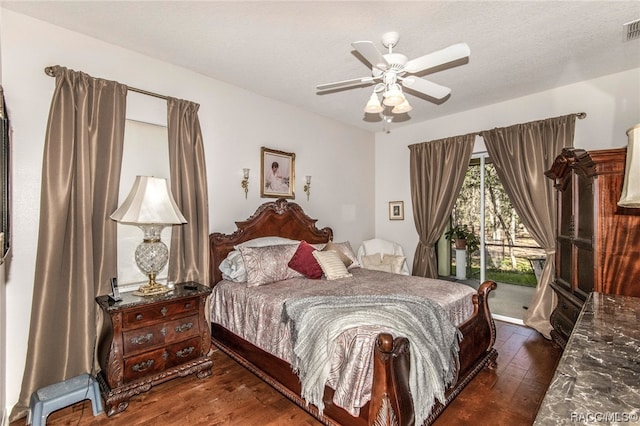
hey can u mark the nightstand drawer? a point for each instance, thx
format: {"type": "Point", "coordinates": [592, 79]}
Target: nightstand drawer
{"type": "Point", "coordinates": [142, 339]}
{"type": "Point", "coordinates": [144, 365]}
{"type": "Point", "coordinates": [147, 315]}
{"type": "Point", "coordinates": [182, 352]}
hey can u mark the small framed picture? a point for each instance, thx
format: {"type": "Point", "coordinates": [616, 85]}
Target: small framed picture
{"type": "Point", "coordinates": [277, 178]}
{"type": "Point", "coordinates": [396, 210]}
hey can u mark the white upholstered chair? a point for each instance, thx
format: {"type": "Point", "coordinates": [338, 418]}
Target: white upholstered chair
{"type": "Point", "coordinates": [383, 255]}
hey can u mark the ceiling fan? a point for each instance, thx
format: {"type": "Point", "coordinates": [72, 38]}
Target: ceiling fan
{"type": "Point", "coordinates": [392, 71]}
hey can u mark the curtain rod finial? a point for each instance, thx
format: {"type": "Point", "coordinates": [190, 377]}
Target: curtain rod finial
{"type": "Point", "coordinates": [581, 115]}
{"type": "Point", "coordinates": [49, 71]}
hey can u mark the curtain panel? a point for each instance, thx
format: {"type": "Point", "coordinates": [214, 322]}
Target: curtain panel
{"type": "Point", "coordinates": [189, 257]}
{"type": "Point", "coordinates": [521, 154]}
{"type": "Point", "coordinates": [437, 171]}
{"type": "Point", "coordinates": [76, 252]}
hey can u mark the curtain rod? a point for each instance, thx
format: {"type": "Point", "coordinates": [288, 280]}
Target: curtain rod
{"type": "Point", "coordinates": [580, 115]}
{"type": "Point", "coordinates": [50, 73]}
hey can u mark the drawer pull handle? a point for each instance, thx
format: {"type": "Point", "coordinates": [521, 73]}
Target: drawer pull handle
{"type": "Point", "coordinates": [164, 331]}
{"type": "Point", "coordinates": [138, 317]}
{"type": "Point", "coordinates": [187, 305]}
{"type": "Point", "coordinates": [145, 365]}
{"type": "Point", "coordinates": [163, 311]}
{"type": "Point", "coordinates": [141, 340]}
{"type": "Point", "coordinates": [185, 352]}
{"type": "Point", "coordinates": [184, 327]}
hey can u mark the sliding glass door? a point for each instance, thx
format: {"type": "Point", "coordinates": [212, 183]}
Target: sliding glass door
{"type": "Point", "coordinates": [506, 252]}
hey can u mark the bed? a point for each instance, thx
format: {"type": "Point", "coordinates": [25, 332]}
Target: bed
{"type": "Point", "coordinates": [389, 400]}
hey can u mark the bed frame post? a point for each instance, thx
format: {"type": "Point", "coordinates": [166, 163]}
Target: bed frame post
{"type": "Point", "coordinates": [390, 403]}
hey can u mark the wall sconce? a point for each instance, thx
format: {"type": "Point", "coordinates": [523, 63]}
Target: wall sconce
{"type": "Point", "coordinates": [630, 196]}
{"type": "Point", "coordinates": [245, 182]}
{"type": "Point", "coordinates": [307, 187]}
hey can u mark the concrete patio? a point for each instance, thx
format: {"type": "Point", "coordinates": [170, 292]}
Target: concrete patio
{"type": "Point", "coordinates": [508, 302]}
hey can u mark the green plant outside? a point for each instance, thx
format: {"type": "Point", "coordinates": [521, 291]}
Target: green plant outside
{"type": "Point", "coordinates": [526, 279]}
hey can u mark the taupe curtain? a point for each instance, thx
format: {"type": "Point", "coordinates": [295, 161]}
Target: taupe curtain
{"type": "Point", "coordinates": [76, 252]}
{"type": "Point", "coordinates": [437, 171]}
{"type": "Point", "coordinates": [521, 154]}
{"type": "Point", "coordinates": [189, 258]}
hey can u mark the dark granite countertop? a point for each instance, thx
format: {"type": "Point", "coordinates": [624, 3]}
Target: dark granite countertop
{"type": "Point", "coordinates": [597, 381]}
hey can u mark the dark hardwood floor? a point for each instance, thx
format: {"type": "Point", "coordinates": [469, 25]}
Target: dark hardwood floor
{"type": "Point", "coordinates": [509, 395]}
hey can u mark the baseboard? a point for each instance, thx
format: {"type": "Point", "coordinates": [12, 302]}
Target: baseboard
{"type": "Point", "coordinates": [507, 319]}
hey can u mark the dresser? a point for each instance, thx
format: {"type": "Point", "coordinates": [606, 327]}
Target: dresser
{"type": "Point", "coordinates": [149, 340]}
{"type": "Point", "coordinates": [598, 243]}
{"type": "Point", "coordinates": [597, 380]}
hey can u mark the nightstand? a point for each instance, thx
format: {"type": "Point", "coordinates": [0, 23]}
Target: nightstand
{"type": "Point", "coordinates": [149, 340]}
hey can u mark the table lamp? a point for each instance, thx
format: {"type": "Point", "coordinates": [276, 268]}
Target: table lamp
{"type": "Point", "coordinates": [150, 206]}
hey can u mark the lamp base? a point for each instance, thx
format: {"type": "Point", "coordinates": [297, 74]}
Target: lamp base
{"type": "Point", "coordinates": [152, 288]}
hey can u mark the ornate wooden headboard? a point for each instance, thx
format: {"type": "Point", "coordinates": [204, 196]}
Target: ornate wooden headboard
{"type": "Point", "coordinates": [278, 218]}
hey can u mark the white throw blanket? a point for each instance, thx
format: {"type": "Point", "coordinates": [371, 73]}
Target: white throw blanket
{"type": "Point", "coordinates": [316, 322]}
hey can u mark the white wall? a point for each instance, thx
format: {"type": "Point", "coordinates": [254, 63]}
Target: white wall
{"type": "Point", "coordinates": [3, 310]}
{"type": "Point", "coordinates": [612, 104]}
{"type": "Point", "coordinates": [235, 124]}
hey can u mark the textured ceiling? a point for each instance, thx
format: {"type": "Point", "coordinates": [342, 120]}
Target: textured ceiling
{"type": "Point", "coordinates": [282, 50]}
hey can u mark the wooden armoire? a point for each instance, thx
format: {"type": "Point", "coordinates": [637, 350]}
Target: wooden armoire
{"type": "Point", "coordinates": [598, 242]}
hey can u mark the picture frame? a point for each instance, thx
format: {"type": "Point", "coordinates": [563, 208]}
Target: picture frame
{"type": "Point", "coordinates": [277, 173]}
{"type": "Point", "coordinates": [396, 210]}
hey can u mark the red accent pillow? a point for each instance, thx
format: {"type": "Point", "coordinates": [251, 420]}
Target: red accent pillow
{"type": "Point", "coordinates": [304, 262]}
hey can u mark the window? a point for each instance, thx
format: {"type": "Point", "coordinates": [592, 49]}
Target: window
{"type": "Point", "coordinates": [146, 153]}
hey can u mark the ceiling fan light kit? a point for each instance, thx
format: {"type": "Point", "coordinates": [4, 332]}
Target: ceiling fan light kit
{"type": "Point", "coordinates": [391, 71]}
{"type": "Point", "coordinates": [373, 106]}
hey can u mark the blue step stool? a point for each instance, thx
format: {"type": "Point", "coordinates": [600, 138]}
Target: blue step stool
{"type": "Point", "coordinates": [50, 398]}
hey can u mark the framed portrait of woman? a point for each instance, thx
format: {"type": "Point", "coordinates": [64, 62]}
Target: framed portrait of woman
{"type": "Point", "coordinates": [277, 178]}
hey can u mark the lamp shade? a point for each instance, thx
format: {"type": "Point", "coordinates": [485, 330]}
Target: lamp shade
{"type": "Point", "coordinates": [149, 202]}
{"type": "Point", "coordinates": [403, 107]}
{"type": "Point", "coordinates": [630, 196]}
{"type": "Point", "coordinates": [373, 106]}
{"type": "Point", "coordinates": [393, 96]}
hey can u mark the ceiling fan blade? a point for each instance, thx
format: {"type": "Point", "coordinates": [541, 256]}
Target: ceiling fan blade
{"type": "Point", "coordinates": [345, 83]}
{"type": "Point", "coordinates": [439, 57]}
{"type": "Point", "coordinates": [371, 53]}
{"type": "Point", "coordinates": [426, 87]}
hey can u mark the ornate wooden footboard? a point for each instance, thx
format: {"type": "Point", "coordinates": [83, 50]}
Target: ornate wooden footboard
{"type": "Point", "coordinates": [391, 402]}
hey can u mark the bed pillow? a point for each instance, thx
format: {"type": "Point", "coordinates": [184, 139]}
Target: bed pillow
{"type": "Point", "coordinates": [232, 267]}
{"type": "Point", "coordinates": [266, 241]}
{"type": "Point", "coordinates": [268, 264]}
{"type": "Point", "coordinates": [331, 264]}
{"type": "Point", "coordinates": [395, 261]}
{"type": "Point", "coordinates": [345, 252]}
{"type": "Point", "coordinates": [304, 262]}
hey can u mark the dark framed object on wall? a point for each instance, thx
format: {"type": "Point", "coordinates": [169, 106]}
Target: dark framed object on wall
{"type": "Point", "coordinates": [396, 210]}
{"type": "Point", "coordinates": [277, 173]}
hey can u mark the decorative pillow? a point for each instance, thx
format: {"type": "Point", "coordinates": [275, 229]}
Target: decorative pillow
{"type": "Point", "coordinates": [395, 261]}
{"type": "Point", "coordinates": [345, 252]}
{"type": "Point", "coordinates": [268, 264]}
{"type": "Point", "coordinates": [374, 261]}
{"type": "Point", "coordinates": [304, 262]}
{"type": "Point", "coordinates": [331, 264]}
{"type": "Point", "coordinates": [368, 261]}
